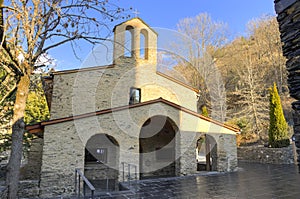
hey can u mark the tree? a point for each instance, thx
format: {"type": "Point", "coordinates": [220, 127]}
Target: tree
{"type": "Point", "coordinates": [278, 129]}
{"type": "Point", "coordinates": [205, 37]}
{"type": "Point", "coordinates": [36, 105]}
{"type": "Point", "coordinates": [249, 94]}
{"type": "Point", "coordinates": [7, 96]}
{"type": "Point", "coordinates": [204, 111]}
{"type": "Point", "coordinates": [265, 33]}
{"type": "Point", "coordinates": [30, 28]}
{"type": "Point", "coordinates": [250, 65]}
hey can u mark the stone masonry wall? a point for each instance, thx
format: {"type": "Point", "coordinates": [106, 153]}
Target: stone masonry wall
{"type": "Point", "coordinates": [65, 142]}
{"type": "Point", "coordinates": [288, 17]}
{"type": "Point", "coordinates": [266, 155]}
{"type": "Point", "coordinates": [89, 91]}
{"type": "Point", "coordinates": [62, 153]}
{"type": "Point", "coordinates": [85, 91]}
{"type": "Point", "coordinates": [31, 170]}
{"type": "Point", "coordinates": [226, 152]}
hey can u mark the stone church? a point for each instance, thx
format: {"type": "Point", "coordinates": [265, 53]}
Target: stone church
{"type": "Point", "coordinates": [106, 118]}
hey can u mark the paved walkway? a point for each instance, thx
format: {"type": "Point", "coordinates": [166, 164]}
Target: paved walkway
{"type": "Point", "coordinates": [251, 181]}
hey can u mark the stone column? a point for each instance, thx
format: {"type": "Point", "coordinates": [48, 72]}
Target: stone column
{"type": "Point", "coordinates": [289, 19]}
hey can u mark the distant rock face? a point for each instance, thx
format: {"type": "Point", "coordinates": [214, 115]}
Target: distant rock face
{"type": "Point", "coordinates": [288, 17]}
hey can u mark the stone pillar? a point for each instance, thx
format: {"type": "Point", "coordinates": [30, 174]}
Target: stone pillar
{"type": "Point", "coordinates": [289, 19]}
{"type": "Point", "coordinates": [226, 152]}
{"type": "Point", "coordinates": [188, 162]}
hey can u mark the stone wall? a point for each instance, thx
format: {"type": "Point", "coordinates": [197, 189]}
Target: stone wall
{"type": "Point", "coordinates": [267, 155]}
{"type": "Point", "coordinates": [226, 152]}
{"type": "Point", "coordinates": [32, 169]}
{"type": "Point", "coordinates": [288, 17]}
{"type": "Point", "coordinates": [83, 91]}
{"type": "Point", "coordinates": [65, 143]}
{"type": "Point", "coordinates": [63, 151]}
{"type": "Point", "coordinates": [28, 189]}
{"type": "Point", "coordinates": [100, 89]}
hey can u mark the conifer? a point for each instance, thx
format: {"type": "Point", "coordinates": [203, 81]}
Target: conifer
{"type": "Point", "coordinates": [278, 129]}
{"type": "Point", "coordinates": [204, 111]}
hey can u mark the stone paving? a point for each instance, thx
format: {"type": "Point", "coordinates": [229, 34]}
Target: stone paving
{"type": "Point", "coordinates": [252, 180]}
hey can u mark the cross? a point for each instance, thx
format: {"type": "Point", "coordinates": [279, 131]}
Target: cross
{"type": "Point", "coordinates": [135, 12]}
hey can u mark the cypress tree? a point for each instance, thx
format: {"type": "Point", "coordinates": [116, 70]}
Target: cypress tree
{"type": "Point", "coordinates": [204, 111]}
{"type": "Point", "coordinates": [278, 129]}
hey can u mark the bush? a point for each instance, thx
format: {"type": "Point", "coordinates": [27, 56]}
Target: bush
{"type": "Point", "coordinates": [280, 143]}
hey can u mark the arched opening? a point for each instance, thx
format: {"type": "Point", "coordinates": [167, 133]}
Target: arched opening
{"type": "Point", "coordinates": [206, 153]}
{"type": "Point", "coordinates": [144, 44]}
{"type": "Point", "coordinates": [157, 147]}
{"type": "Point", "coordinates": [101, 161]}
{"type": "Point", "coordinates": [128, 45]}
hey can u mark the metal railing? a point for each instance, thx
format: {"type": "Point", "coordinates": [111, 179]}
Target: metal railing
{"type": "Point", "coordinates": [78, 178]}
{"type": "Point", "coordinates": [131, 172]}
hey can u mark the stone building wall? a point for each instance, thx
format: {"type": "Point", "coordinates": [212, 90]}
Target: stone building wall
{"type": "Point", "coordinates": [136, 27]}
{"type": "Point", "coordinates": [65, 143]}
{"type": "Point", "coordinates": [226, 152]}
{"type": "Point", "coordinates": [89, 90]}
{"type": "Point", "coordinates": [62, 153]}
{"type": "Point", "coordinates": [32, 169]}
{"type": "Point", "coordinates": [83, 91]}
{"type": "Point", "coordinates": [288, 17]}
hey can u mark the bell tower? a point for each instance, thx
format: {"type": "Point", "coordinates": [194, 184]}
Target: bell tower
{"type": "Point", "coordinates": [134, 39]}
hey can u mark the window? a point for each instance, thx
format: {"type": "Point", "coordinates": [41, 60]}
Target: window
{"type": "Point", "coordinates": [96, 155]}
{"type": "Point", "coordinates": [135, 96]}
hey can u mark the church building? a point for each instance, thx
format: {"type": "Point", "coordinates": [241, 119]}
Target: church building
{"type": "Point", "coordinates": [105, 119]}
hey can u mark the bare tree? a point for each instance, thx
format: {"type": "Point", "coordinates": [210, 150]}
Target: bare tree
{"type": "Point", "coordinates": [251, 66]}
{"type": "Point", "coordinates": [29, 28]}
{"type": "Point", "coordinates": [265, 33]}
{"type": "Point", "coordinates": [205, 36]}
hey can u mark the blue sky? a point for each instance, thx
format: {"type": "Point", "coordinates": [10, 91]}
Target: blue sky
{"type": "Point", "coordinates": [167, 13]}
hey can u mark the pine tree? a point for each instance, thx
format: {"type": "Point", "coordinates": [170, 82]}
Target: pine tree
{"type": "Point", "coordinates": [278, 129]}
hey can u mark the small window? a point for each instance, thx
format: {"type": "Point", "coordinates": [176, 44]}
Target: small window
{"type": "Point", "coordinates": [96, 155]}
{"type": "Point", "coordinates": [135, 96]}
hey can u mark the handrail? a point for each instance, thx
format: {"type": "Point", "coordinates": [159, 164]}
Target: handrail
{"type": "Point", "coordinates": [129, 177]}
{"type": "Point", "coordinates": [79, 174]}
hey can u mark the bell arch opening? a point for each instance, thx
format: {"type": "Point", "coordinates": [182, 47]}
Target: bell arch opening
{"type": "Point", "coordinates": [129, 39]}
{"type": "Point", "coordinates": [144, 42]}
{"type": "Point", "coordinates": [157, 149]}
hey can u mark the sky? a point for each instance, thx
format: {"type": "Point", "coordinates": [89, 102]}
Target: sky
{"type": "Point", "coordinates": [167, 13]}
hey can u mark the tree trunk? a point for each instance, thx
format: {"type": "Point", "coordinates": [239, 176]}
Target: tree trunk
{"type": "Point", "coordinates": [1, 23]}
{"type": "Point", "coordinates": [14, 164]}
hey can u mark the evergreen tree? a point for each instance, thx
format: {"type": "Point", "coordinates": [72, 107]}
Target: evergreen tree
{"type": "Point", "coordinates": [278, 129]}
{"type": "Point", "coordinates": [204, 111]}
